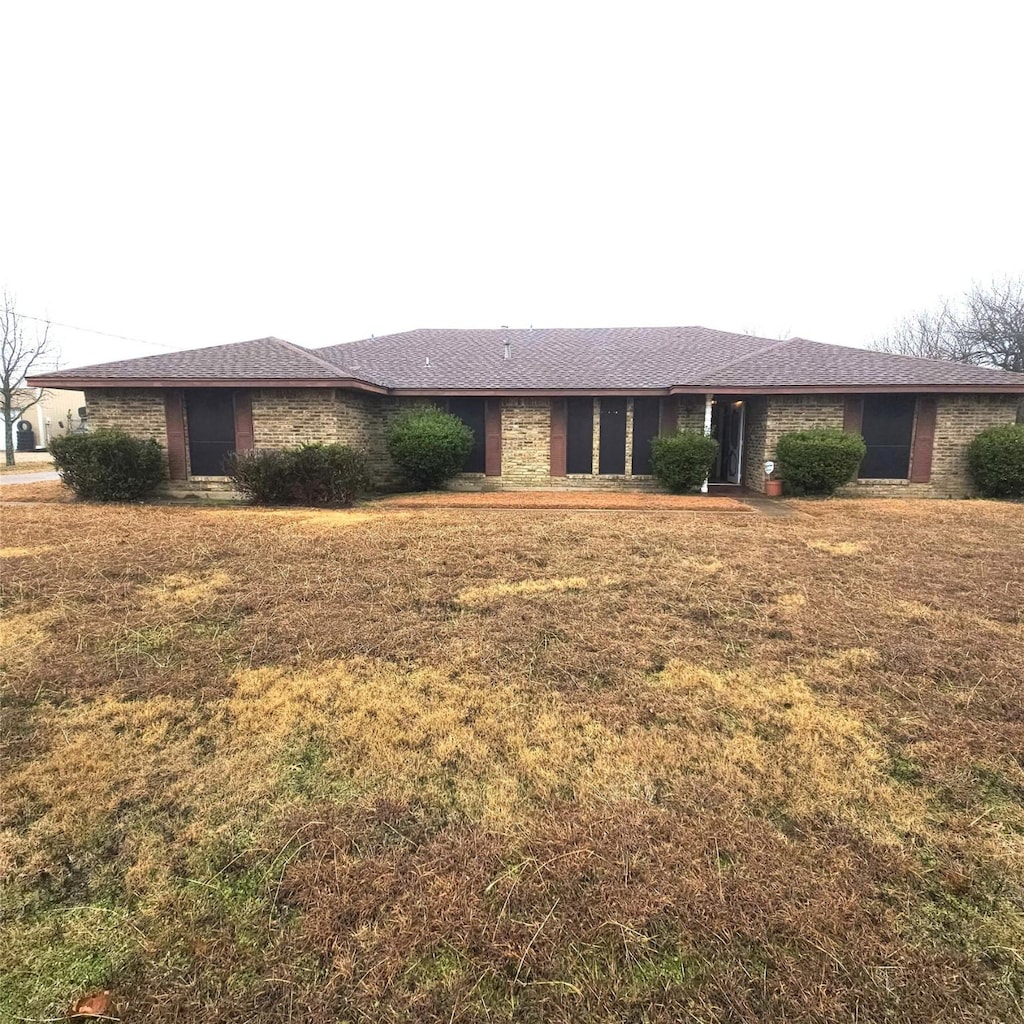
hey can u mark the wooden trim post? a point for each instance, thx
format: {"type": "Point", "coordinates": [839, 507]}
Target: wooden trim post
{"type": "Point", "coordinates": [174, 414]}
{"type": "Point", "coordinates": [669, 416]}
{"type": "Point", "coordinates": [492, 436]}
{"type": "Point", "coordinates": [853, 414]}
{"type": "Point", "coordinates": [924, 440]}
{"type": "Point", "coordinates": [559, 416]}
{"type": "Point", "coordinates": [244, 435]}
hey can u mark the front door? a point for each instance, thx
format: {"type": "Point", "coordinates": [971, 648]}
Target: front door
{"type": "Point", "coordinates": [727, 429]}
{"type": "Point", "coordinates": [210, 418]}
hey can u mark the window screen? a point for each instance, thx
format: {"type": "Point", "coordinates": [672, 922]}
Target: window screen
{"type": "Point", "coordinates": [579, 435]}
{"type": "Point", "coordinates": [646, 421]}
{"type": "Point", "coordinates": [612, 454]}
{"type": "Point", "coordinates": [888, 428]}
{"type": "Point", "coordinates": [471, 412]}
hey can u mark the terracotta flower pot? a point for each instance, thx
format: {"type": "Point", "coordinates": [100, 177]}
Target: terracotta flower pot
{"type": "Point", "coordinates": [773, 488]}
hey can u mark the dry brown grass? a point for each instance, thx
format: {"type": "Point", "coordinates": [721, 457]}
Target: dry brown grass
{"type": "Point", "coordinates": [45, 490]}
{"type": "Point", "coordinates": [35, 466]}
{"type": "Point", "coordinates": [554, 499]}
{"type": "Point", "coordinates": [377, 765]}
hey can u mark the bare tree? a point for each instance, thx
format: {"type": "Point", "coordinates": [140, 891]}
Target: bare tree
{"type": "Point", "coordinates": [985, 327]}
{"type": "Point", "coordinates": [20, 354]}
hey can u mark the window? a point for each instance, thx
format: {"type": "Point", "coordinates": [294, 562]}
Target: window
{"type": "Point", "coordinates": [888, 428]}
{"type": "Point", "coordinates": [612, 455]}
{"type": "Point", "coordinates": [646, 423]}
{"type": "Point", "coordinates": [471, 412]}
{"type": "Point", "coordinates": [579, 435]}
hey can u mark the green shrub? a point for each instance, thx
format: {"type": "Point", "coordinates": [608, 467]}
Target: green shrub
{"type": "Point", "coordinates": [818, 461]}
{"type": "Point", "coordinates": [108, 465]}
{"type": "Point", "coordinates": [996, 461]}
{"type": "Point", "coordinates": [429, 446]}
{"type": "Point", "coordinates": [329, 475]}
{"type": "Point", "coordinates": [682, 461]}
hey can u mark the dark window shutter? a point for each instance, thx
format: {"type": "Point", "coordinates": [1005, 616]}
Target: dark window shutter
{"type": "Point", "coordinates": [558, 417]}
{"type": "Point", "coordinates": [492, 437]}
{"type": "Point", "coordinates": [174, 414]}
{"type": "Point", "coordinates": [669, 415]}
{"type": "Point", "coordinates": [924, 441]}
{"type": "Point", "coordinates": [243, 422]}
{"type": "Point", "coordinates": [853, 414]}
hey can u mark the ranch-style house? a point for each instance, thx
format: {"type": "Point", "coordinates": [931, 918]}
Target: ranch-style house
{"type": "Point", "coordinates": [557, 407]}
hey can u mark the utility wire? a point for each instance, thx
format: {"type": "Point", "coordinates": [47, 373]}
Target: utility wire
{"type": "Point", "coordinates": [89, 330]}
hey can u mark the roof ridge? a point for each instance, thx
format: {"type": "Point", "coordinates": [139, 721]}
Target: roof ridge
{"type": "Point", "coordinates": [326, 364]}
{"type": "Point", "coordinates": [750, 355]}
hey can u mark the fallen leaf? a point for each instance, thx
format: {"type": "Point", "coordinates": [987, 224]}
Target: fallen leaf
{"type": "Point", "coordinates": [99, 1004]}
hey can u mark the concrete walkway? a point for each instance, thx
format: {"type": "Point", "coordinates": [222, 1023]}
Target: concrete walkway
{"type": "Point", "coordinates": [27, 478]}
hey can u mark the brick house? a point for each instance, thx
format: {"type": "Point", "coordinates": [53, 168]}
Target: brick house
{"type": "Point", "coordinates": [559, 407]}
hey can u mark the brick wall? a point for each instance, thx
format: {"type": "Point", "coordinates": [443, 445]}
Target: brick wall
{"type": "Point", "coordinates": [755, 443]}
{"type": "Point", "coordinates": [283, 417]}
{"type": "Point", "coordinates": [525, 442]}
{"type": "Point", "coordinates": [138, 411]}
{"type": "Point", "coordinates": [287, 416]}
{"type": "Point", "coordinates": [958, 420]}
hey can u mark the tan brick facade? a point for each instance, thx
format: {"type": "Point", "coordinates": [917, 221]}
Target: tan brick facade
{"type": "Point", "coordinates": [959, 419]}
{"type": "Point", "coordinates": [525, 442]}
{"type": "Point", "coordinates": [138, 411]}
{"type": "Point", "coordinates": [288, 416]}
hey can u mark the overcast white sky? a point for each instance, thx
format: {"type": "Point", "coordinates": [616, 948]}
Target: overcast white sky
{"type": "Point", "coordinates": [192, 174]}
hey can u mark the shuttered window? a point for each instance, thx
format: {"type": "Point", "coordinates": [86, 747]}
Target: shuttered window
{"type": "Point", "coordinates": [612, 454]}
{"type": "Point", "coordinates": [646, 421]}
{"type": "Point", "coordinates": [471, 412]}
{"type": "Point", "coordinates": [887, 426]}
{"type": "Point", "coordinates": [579, 435]}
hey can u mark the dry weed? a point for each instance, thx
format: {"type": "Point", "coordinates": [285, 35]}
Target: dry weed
{"type": "Point", "coordinates": [580, 766]}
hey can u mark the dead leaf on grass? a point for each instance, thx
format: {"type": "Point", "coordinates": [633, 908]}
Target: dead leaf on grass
{"type": "Point", "coordinates": [97, 1006]}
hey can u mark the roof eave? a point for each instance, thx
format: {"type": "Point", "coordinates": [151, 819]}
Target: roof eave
{"type": "Point", "coordinates": [43, 381]}
{"type": "Point", "coordinates": [1002, 388]}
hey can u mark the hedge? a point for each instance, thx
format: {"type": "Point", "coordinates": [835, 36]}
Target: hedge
{"type": "Point", "coordinates": [682, 461]}
{"type": "Point", "coordinates": [326, 475]}
{"type": "Point", "coordinates": [995, 459]}
{"type": "Point", "coordinates": [818, 461]}
{"type": "Point", "coordinates": [429, 446]}
{"type": "Point", "coordinates": [108, 465]}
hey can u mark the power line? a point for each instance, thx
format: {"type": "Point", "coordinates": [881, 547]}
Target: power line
{"type": "Point", "coordinates": [89, 330]}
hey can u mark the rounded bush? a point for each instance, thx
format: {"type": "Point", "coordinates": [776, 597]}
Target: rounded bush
{"type": "Point", "coordinates": [995, 459]}
{"type": "Point", "coordinates": [818, 461]}
{"type": "Point", "coordinates": [108, 465]}
{"type": "Point", "coordinates": [327, 475]}
{"type": "Point", "coordinates": [429, 446]}
{"type": "Point", "coordinates": [682, 461]}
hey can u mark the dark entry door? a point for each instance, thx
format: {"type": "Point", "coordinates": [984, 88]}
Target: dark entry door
{"type": "Point", "coordinates": [611, 456]}
{"type": "Point", "coordinates": [727, 429]}
{"type": "Point", "coordinates": [210, 415]}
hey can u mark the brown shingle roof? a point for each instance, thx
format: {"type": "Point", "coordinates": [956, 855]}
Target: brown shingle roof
{"type": "Point", "coordinates": [268, 358]}
{"type": "Point", "coordinates": [558, 358]}
{"type": "Point", "coordinates": [814, 364]}
{"type": "Point", "coordinates": [555, 359]}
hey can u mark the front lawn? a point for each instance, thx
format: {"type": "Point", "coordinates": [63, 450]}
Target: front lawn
{"type": "Point", "coordinates": [473, 765]}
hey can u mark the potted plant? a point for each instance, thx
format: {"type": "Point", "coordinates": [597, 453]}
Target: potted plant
{"type": "Point", "coordinates": [772, 485]}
